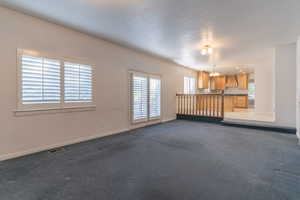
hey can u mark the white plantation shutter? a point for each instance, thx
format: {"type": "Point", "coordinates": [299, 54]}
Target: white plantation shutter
{"type": "Point", "coordinates": [145, 97]}
{"type": "Point", "coordinates": [77, 83]}
{"type": "Point", "coordinates": [154, 97]}
{"type": "Point", "coordinates": [40, 80]}
{"type": "Point", "coordinates": [50, 83]}
{"type": "Point", "coordinates": [139, 95]}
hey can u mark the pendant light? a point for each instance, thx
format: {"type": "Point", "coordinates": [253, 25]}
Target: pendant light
{"type": "Point", "coordinates": [206, 50]}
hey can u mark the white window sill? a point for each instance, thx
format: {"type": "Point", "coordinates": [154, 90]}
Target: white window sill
{"type": "Point", "coordinates": [62, 109]}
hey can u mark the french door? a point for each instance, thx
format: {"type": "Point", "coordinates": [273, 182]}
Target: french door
{"type": "Point", "coordinates": [145, 92]}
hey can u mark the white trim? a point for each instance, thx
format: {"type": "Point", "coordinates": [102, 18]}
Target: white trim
{"type": "Point", "coordinates": [148, 76]}
{"type": "Point", "coordinates": [73, 141]}
{"type": "Point", "coordinates": [47, 147]}
{"type": "Point", "coordinates": [168, 120]}
{"type": "Point", "coordinates": [50, 106]}
{"type": "Point", "coordinates": [49, 109]}
{"type": "Point", "coordinates": [155, 118]}
{"type": "Point", "coordinates": [38, 53]}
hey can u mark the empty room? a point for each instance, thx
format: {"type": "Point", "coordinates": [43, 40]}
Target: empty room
{"type": "Point", "coordinates": [149, 100]}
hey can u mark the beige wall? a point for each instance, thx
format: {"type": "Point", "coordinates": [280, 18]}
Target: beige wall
{"type": "Point", "coordinates": [275, 81]}
{"type": "Point", "coordinates": [298, 88]}
{"type": "Point", "coordinates": [285, 85]}
{"type": "Point", "coordinates": [264, 84]}
{"type": "Point", "coordinates": [25, 134]}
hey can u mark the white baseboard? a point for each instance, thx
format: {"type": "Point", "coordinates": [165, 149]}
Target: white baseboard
{"type": "Point", "coordinates": [47, 147]}
{"type": "Point", "coordinates": [168, 120]}
{"type": "Point", "coordinates": [73, 141]}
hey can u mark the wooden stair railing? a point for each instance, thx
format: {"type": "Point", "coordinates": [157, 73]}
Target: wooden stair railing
{"type": "Point", "coordinates": [204, 105]}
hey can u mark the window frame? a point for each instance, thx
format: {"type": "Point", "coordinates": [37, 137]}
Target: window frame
{"type": "Point", "coordinates": [77, 104]}
{"type": "Point", "coordinates": [148, 76]}
{"type": "Point", "coordinates": [132, 99]}
{"type": "Point", "coordinates": [159, 78]}
{"type": "Point", "coordinates": [50, 106]}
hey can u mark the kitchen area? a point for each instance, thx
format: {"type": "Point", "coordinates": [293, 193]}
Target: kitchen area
{"type": "Point", "coordinates": [238, 90]}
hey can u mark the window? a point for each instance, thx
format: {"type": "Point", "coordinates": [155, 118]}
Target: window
{"type": "Point", "coordinates": [145, 97]}
{"type": "Point", "coordinates": [77, 83]}
{"type": "Point", "coordinates": [40, 80]}
{"type": "Point", "coordinates": [251, 90]}
{"type": "Point", "coordinates": [46, 83]}
{"type": "Point", "coordinates": [154, 98]}
{"type": "Point", "coordinates": [140, 97]}
{"type": "Point", "coordinates": [189, 85]}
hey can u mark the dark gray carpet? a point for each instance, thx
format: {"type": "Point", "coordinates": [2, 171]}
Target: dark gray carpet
{"type": "Point", "coordinates": [180, 160]}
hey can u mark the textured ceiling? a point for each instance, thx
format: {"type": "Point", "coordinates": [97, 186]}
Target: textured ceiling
{"type": "Point", "coordinates": [242, 32]}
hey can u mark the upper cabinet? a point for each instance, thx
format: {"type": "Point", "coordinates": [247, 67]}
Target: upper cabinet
{"type": "Point", "coordinates": [231, 81]}
{"type": "Point", "coordinates": [239, 81]}
{"type": "Point", "coordinates": [242, 81]}
{"type": "Point", "coordinates": [218, 82]}
{"type": "Point", "coordinates": [203, 79]}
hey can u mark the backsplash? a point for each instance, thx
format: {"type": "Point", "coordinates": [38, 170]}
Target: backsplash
{"type": "Point", "coordinates": [235, 91]}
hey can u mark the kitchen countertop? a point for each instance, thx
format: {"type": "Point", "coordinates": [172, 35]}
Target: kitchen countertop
{"type": "Point", "coordinates": [225, 94]}
{"type": "Point", "coordinates": [235, 94]}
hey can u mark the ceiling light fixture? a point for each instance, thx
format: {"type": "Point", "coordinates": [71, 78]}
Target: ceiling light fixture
{"type": "Point", "coordinates": [214, 73]}
{"type": "Point", "coordinates": [207, 49]}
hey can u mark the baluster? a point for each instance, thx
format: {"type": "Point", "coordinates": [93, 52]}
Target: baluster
{"type": "Point", "coordinates": [206, 105]}
{"type": "Point", "coordinates": [194, 105]}
{"type": "Point", "coordinates": [201, 105]}
{"type": "Point", "coordinates": [190, 97]}
{"type": "Point", "coordinates": [177, 103]}
{"type": "Point", "coordinates": [180, 104]}
{"type": "Point", "coordinates": [210, 103]}
{"type": "Point", "coordinates": [189, 107]}
{"type": "Point", "coordinates": [197, 105]}
{"type": "Point", "coordinates": [184, 104]}
{"type": "Point", "coordinates": [213, 105]}
{"type": "Point", "coordinates": [195, 98]}
{"type": "Point", "coordinates": [188, 104]}
{"type": "Point", "coordinates": [218, 106]}
{"type": "Point", "coordinates": [222, 107]}
{"type": "Point", "coordinates": [200, 99]}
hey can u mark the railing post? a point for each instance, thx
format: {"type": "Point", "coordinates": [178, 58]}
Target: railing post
{"type": "Point", "coordinates": [222, 107]}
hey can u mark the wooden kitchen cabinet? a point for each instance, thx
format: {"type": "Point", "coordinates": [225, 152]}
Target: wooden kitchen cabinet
{"type": "Point", "coordinates": [218, 82]}
{"type": "Point", "coordinates": [221, 83]}
{"type": "Point", "coordinates": [231, 81]}
{"type": "Point", "coordinates": [242, 81]}
{"type": "Point", "coordinates": [203, 79]}
{"type": "Point", "coordinates": [231, 102]}
{"type": "Point", "coordinates": [241, 101]}
{"type": "Point", "coordinates": [228, 103]}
